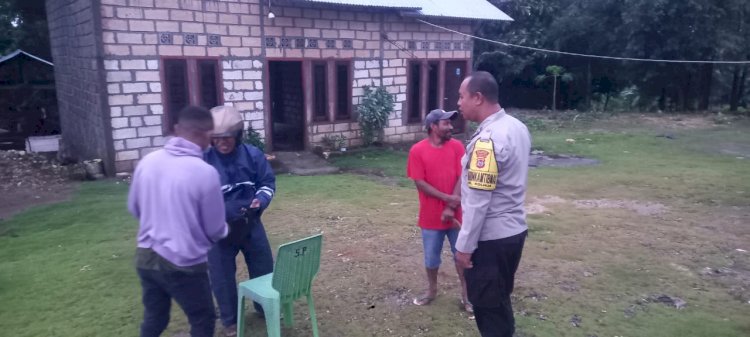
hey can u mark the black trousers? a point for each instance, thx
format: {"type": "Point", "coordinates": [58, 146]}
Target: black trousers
{"type": "Point", "coordinates": [490, 283]}
{"type": "Point", "coordinates": [190, 290]}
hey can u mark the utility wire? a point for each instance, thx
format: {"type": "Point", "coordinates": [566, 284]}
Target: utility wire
{"type": "Point", "coordinates": [579, 54]}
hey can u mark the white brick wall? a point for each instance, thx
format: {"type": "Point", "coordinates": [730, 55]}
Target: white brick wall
{"type": "Point", "coordinates": [132, 28]}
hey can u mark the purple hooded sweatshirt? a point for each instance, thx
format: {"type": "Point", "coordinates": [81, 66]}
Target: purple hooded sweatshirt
{"type": "Point", "coordinates": [177, 198]}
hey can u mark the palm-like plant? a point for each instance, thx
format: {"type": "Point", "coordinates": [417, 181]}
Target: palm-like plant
{"type": "Point", "coordinates": [554, 72]}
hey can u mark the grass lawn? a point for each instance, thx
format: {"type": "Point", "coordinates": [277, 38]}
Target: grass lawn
{"type": "Point", "coordinates": [659, 216]}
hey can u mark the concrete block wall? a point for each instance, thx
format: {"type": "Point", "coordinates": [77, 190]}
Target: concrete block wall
{"type": "Point", "coordinates": [78, 74]}
{"type": "Point", "coordinates": [136, 34]}
{"type": "Point", "coordinates": [411, 40]}
{"type": "Point", "coordinates": [135, 108]}
{"type": "Point", "coordinates": [244, 88]}
{"type": "Point", "coordinates": [381, 46]}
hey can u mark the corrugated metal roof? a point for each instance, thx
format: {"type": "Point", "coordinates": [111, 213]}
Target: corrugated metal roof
{"type": "Point", "coordinates": [457, 9]}
{"type": "Point", "coordinates": [394, 4]}
{"type": "Point", "coordinates": [21, 52]}
{"type": "Point", "coordinates": [463, 9]}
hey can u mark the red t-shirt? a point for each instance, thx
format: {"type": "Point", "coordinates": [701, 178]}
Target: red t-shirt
{"type": "Point", "coordinates": [441, 168]}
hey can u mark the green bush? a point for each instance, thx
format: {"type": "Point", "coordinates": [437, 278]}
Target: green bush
{"type": "Point", "coordinates": [254, 138]}
{"type": "Point", "coordinates": [376, 106]}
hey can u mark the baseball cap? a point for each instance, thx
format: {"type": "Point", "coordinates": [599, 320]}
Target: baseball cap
{"type": "Point", "coordinates": [436, 115]}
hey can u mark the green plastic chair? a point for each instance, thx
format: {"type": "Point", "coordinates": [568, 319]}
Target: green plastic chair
{"type": "Point", "coordinates": [296, 265]}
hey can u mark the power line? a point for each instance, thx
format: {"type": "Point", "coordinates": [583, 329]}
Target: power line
{"type": "Point", "coordinates": [579, 54]}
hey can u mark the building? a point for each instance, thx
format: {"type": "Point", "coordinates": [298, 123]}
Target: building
{"type": "Point", "coordinates": [295, 68]}
{"type": "Point", "coordinates": [28, 106]}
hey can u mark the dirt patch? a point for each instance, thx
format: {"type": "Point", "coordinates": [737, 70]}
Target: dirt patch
{"type": "Point", "coordinates": [677, 122]}
{"type": "Point", "coordinates": [376, 175]}
{"type": "Point", "coordinates": [538, 205]}
{"type": "Point", "coordinates": [742, 151]}
{"type": "Point", "coordinates": [560, 160]}
{"type": "Point", "coordinates": [31, 179]}
{"type": "Point", "coordinates": [640, 207]}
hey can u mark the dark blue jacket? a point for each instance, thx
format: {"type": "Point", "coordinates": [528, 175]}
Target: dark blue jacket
{"type": "Point", "coordinates": [245, 175]}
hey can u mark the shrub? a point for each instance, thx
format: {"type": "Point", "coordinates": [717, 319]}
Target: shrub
{"type": "Point", "coordinates": [376, 106]}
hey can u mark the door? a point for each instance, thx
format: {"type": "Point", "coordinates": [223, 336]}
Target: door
{"type": "Point", "coordinates": [455, 72]}
{"type": "Point", "coordinates": [287, 105]}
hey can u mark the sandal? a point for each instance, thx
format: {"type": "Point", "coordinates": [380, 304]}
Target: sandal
{"type": "Point", "coordinates": [423, 300]}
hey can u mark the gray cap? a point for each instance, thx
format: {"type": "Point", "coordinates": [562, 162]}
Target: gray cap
{"type": "Point", "coordinates": [436, 115]}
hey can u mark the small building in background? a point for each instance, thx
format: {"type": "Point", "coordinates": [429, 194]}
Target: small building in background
{"type": "Point", "coordinates": [28, 102]}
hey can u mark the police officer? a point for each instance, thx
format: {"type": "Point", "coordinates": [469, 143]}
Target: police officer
{"type": "Point", "coordinates": [248, 185]}
{"type": "Point", "coordinates": [493, 189]}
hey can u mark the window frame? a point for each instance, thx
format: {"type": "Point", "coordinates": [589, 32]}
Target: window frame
{"type": "Point", "coordinates": [326, 116]}
{"type": "Point", "coordinates": [424, 87]}
{"type": "Point", "coordinates": [331, 82]}
{"type": "Point", "coordinates": [194, 85]}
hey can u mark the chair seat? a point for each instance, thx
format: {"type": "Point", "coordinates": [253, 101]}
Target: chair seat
{"type": "Point", "coordinates": [260, 287]}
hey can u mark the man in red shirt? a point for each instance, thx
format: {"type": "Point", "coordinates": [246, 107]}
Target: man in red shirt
{"type": "Point", "coordinates": [435, 166]}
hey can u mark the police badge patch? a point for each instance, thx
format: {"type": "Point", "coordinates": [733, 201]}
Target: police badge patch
{"type": "Point", "coordinates": [483, 171]}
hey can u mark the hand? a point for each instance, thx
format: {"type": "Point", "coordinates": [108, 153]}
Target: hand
{"type": "Point", "coordinates": [255, 203]}
{"type": "Point", "coordinates": [453, 201]}
{"type": "Point", "coordinates": [449, 215]}
{"type": "Point", "coordinates": [463, 260]}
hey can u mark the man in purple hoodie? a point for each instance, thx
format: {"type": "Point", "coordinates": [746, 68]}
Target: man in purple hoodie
{"type": "Point", "coordinates": [177, 199]}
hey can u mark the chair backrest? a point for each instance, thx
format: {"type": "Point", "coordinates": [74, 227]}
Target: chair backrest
{"type": "Point", "coordinates": [296, 265]}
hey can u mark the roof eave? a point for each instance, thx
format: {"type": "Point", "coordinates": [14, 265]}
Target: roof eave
{"type": "Point", "coordinates": [332, 5]}
{"type": "Point", "coordinates": [21, 52]}
{"type": "Point", "coordinates": [420, 15]}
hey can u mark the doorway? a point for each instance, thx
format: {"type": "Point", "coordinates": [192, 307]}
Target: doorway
{"type": "Point", "coordinates": [455, 72]}
{"type": "Point", "coordinates": [287, 105]}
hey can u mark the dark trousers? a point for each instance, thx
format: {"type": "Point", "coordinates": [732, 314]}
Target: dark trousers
{"type": "Point", "coordinates": [190, 290]}
{"type": "Point", "coordinates": [490, 283]}
{"type": "Point", "coordinates": [222, 268]}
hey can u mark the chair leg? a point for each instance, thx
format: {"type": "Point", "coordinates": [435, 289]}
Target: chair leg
{"type": "Point", "coordinates": [240, 316]}
{"type": "Point", "coordinates": [273, 318]}
{"type": "Point", "coordinates": [288, 314]}
{"type": "Point", "coordinates": [313, 318]}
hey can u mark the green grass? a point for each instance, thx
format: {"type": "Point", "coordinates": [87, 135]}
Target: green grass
{"type": "Point", "coordinates": [376, 161]}
{"type": "Point", "coordinates": [66, 269]}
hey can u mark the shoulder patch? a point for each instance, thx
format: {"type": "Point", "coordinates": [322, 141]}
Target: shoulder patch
{"type": "Point", "coordinates": [483, 171]}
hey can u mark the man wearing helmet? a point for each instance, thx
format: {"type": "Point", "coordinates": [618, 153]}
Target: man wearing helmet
{"type": "Point", "coordinates": [248, 185]}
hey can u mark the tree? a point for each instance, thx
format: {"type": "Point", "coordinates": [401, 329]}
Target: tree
{"type": "Point", "coordinates": [23, 25]}
{"type": "Point", "coordinates": [655, 29]}
{"type": "Point", "coordinates": [555, 72]}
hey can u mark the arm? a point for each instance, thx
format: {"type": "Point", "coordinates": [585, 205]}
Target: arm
{"type": "Point", "coordinates": [416, 171]}
{"type": "Point", "coordinates": [133, 197]}
{"type": "Point", "coordinates": [449, 213]}
{"type": "Point", "coordinates": [474, 203]}
{"type": "Point", "coordinates": [451, 199]}
{"type": "Point", "coordinates": [211, 207]}
{"type": "Point", "coordinates": [266, 184]}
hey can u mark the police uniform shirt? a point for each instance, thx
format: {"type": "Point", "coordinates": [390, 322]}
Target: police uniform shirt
{"type": "Point", "coordinates": [493, 181]}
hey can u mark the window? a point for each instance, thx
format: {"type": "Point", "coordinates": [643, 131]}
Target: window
{"type": "Point", "coordinates": [331, 90]}
{"type": "Point", "coordinates": [424, 94]}
{"type": "Point", "coordinates": [189, 81]}
{"type": "Point", "coordinates": [320, 92]}
{"type": "Point", "coordinates": [343, 91]}
{"type": "Point", "coordinates": [415, 78]}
